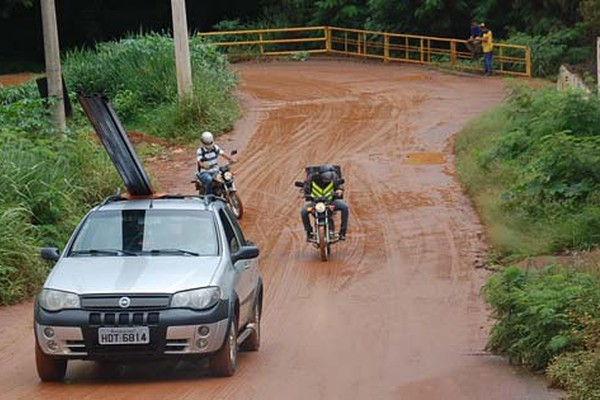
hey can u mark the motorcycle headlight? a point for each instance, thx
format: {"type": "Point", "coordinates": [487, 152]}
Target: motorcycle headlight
{"type": "Point", "coordinates": [320, 207]}
{"type": "Point", "coordinates": [56, 300]}
{"type": "Point", "coordinates": [228, 176]}
{"type": "Point", "coordinates": [197, 299]}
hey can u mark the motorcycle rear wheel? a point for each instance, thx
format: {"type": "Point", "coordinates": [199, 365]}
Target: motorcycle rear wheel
{"type": "Point", "coordinates": [323, 246]}
{"type": "Point", "coordinates": [236, 205]}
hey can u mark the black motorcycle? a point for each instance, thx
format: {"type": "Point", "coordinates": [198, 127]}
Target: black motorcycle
{"type": "Point", "coordinates": [224, 186]}
{"type": "Point", "coordinates": [323, 224]}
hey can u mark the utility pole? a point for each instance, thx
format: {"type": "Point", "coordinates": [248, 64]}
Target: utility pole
{"type": "Point", "coordinates": [52, 57]}
{"type": "Point", "coordinates": [598, 61]}
{"type": "Point", "coordinates": [182, 50]}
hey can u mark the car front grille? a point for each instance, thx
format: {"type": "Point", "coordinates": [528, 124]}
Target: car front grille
{"type": "Point", "coordinates": [97, 319]}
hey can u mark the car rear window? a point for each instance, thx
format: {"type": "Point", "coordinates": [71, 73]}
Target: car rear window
{"type": "Point", "coordinates": [147, 232]}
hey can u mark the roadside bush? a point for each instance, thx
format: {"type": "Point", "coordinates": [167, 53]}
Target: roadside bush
{"type": "Point", "coordinates": [535, 171]}
{"type": "Point", "coordinates": [541, 314]}
{"type": "Point", "coordinates": [138, 75]}
{"type": "Point", "coordinates": [578, 373]}
{"type": "Point", "coordinates": [49, 180]}
{"type": "Point", "coordinates": [550, 50]}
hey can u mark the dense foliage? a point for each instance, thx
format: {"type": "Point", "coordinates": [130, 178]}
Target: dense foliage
{"type": "Point", "coordinates": [138, 76]}
{"type": "Point", "coordinates": [48, 181]}
{"type": "Point", "coordinates": [51, 179]}
{"type": "Point", "coordinates": [549, 317]}
{"type": "Point", "coordinates": [532, 167]}
{"type": "Point", "coordinates": [535, 171]}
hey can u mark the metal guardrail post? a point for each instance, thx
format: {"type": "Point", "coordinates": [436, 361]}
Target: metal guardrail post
{"type": "Point", "coordinates": [386, 47]}
{"type": "Point", "coordinates": [261, 46]}
{"type": "Point", "coordinates": [528, 61]}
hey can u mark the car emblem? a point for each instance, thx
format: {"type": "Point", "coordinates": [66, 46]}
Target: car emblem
{"type": "Point", "coordinates": [124, 302]}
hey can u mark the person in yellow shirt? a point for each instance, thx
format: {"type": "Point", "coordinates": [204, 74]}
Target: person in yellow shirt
{"type": "Point", "coordinates": [487, 42]}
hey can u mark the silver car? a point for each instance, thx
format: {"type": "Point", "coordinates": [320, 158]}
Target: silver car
{"type": "Point", "coordinates": [151, 278]}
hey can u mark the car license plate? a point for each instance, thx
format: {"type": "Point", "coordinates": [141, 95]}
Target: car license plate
{"type": "Point", "coordinates": [125, 335]}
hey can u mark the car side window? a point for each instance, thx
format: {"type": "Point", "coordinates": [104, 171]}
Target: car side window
{"type": "Point", "coordinates": [236, 226]}
{"type": "Point", "coordinates": [230, 233]}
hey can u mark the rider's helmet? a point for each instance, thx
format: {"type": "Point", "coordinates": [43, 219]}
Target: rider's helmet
{"type": "Point", "coordinates": [326, 168]}
{"type": "Point", "coordinates": [207, 138]}
{"type": "Point", "coordinates": [328, 176]}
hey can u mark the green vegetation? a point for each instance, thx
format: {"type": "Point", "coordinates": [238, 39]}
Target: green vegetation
{"type": "Point", "coordinates": [542, 313]}
{"type": "Point", "coordinates": [532, 168]}
{"type": "Point", "coordinates": [138, 76]}
{"type": "Point", "coordinates": [51, 179]}
{"type": "Point", "coordinates": [48, 181]}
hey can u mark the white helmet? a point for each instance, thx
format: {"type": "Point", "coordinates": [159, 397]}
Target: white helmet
{"type": "Point", "coordinates": [207, 138]}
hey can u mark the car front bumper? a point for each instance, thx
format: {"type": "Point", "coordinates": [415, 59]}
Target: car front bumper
{"type": "Point", "coordinates": [173, 332]}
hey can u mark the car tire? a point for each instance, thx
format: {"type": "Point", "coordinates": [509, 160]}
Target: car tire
{"type": "Point", "coordinates": [49, 369]}
{"type": "Point", "coordinates": [224, 361]}
{"type": "Point", "coordinates": [252, 342]}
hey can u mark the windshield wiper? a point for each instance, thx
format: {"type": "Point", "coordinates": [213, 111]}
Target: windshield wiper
{"type": "Point", "coordinates": [173, 251]}
{"type": "Point", "coordinates": [109, 252]}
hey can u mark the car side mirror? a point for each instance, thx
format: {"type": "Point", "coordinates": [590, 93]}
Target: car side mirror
{"type": "Point", "coordinates": [245, 253]}
{"type": "Point", "coordinates": [50, 253]}
{"type": "Point", "coordinates": [299, 184]}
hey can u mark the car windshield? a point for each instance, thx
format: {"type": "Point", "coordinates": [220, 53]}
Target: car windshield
{"type": "Point", "coordinates": [147, 232]}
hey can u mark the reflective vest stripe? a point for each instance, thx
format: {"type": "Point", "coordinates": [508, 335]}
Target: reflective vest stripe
{"type": "Point", "coordinates": [326, 192]}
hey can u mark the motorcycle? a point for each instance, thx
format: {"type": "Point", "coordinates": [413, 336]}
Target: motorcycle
{"type": "Point", "coordinates": [224, 186]}
{"type": "Point", "coordinates": [323, 224]}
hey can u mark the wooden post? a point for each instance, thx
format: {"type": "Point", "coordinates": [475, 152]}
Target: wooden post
{"type": "Point", "coordinates": [453, 53]}
{"type": "Point", "coordinates": [53, 68]}
{"type": "Point", "coordinates": [327, 39]}
{"type": "Point", "coordinates": [182, 50]}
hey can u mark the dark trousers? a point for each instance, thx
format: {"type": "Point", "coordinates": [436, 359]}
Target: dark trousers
{"type": "Point", "coordinates": [339, 205]}
{"type": "Point", "coordinates": [487, 62]}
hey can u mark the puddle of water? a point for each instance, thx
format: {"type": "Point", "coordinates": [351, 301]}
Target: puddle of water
{"type": "Point", "coordinates": [424, 159]}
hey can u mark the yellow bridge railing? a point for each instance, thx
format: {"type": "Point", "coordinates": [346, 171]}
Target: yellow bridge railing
{"type": "Point", "coordinates": [508, 59]}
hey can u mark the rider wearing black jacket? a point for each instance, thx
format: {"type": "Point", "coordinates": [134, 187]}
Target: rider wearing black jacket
{"type": "Point", "coordinates": [324, 181]}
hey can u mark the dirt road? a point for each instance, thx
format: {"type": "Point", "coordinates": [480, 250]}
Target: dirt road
{"type": "Point", "coordinates": [396, 312]}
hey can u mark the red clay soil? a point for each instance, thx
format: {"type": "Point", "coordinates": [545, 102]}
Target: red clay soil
{"type": "Point", "coordinates": [396, 313]}
{"type": "Point", "coordinates": [15, 79]}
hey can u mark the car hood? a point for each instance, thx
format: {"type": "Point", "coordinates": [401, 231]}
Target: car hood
{"type": "Point", "coordinates": [152, 274]}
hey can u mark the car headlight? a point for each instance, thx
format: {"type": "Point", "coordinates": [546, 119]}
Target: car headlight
{"type": "Point", "coordinates": [228, 176]}
{"type": "Point", "coordinates": [197, 299]}
{"type": "Point", "coordinates": [56, 300]}
{"type": "Point", "coordinates": [320, 207]}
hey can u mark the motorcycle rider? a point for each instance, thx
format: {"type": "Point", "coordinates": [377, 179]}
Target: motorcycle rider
{"type": "Point", "coordinates": [207, 158]}
{"type": "Point", "coordinates": [324, 182]}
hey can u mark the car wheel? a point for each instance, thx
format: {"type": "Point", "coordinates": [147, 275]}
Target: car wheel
{"type": "Point", "coordinates": [252, 343]}
{"type": "Point", "coordinates": [49, 369]}
{"type": "Point", "coordinates": [224, 361]}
